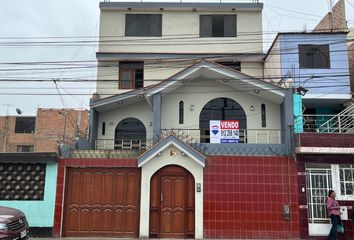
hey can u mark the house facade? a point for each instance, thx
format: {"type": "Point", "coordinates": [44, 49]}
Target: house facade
{"type": "Point", "coordinates": [29, 161]}
{"type": "Point", "coordinates": [187, 139]}
{"type": "Point", "coordinates": [316, 64]}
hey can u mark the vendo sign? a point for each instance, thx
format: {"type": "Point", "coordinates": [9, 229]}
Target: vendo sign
{"type": "Point", "coordinates": [224, 131]}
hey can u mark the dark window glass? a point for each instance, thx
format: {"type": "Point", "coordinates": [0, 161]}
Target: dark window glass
{"type": "Point", "coordinates": [143, 25]}
{"type": "Point", "coordinates": [233, 65]}
{"type": "Point", "coordinates": [221, 109]}
{"type": "Point", "coordinates": [130, 134]}
{"type": "Point", "coordinates": [314, 56]}
{"type": "Point", "coordinates": [24, 148]}
{"type": "Point", "coordinates": [181, 112]}
{"type": "Point", "coordinates": [25, 124]}
{"type": "Point", "coordinates": [263, 115]}
{"type": "Point", "coordinates": [217, 26]}
{"type": "Point", "coordinates": [131, 75]}
{"type": "Point", "coordinates": [103, 128]}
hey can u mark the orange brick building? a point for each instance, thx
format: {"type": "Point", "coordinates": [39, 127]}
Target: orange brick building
{"type": "Point", "coordinates": [43, 132]}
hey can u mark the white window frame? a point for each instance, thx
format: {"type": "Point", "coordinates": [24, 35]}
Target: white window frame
{"type": "Point", "coordinates": [336, 184]}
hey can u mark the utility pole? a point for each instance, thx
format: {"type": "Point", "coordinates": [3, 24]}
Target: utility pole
{"type": "Point", "coordinates": [65, 114]}
{"type": "Point", "coordinates": [330, 15]}
{"type": "Point", "coordinates": [6, 126]}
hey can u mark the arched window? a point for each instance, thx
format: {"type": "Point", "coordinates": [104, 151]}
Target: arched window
{"type": "Point", "coordinates": [221, 109]}
{"type": "Point", "coordinates": [130, 134]}
{"type": "Point", "coordinates": [263, 115]}
{"type": "Point", "coordinates": [181, 112]}
{"type": "Point", "coordinates": [103, 128]}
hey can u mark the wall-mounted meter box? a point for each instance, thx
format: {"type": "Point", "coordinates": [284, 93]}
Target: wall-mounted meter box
{"type": "Point", "coordinates": [344, 211]}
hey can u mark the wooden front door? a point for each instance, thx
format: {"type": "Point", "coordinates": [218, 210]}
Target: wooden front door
{"type": "Point", "coordinates": [172, 203]}
{"type": "Point", "coordinates": [102, 202]}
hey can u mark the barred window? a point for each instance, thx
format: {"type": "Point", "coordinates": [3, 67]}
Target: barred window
{"type": "Point", "coordinates": [346, 179]}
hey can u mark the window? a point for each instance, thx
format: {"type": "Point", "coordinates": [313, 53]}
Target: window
{"type": "Point", "coordinates": [314, 56]}
{"type": "Point", "coordinates": [263, 115]}
{"type": "Point", "coordinates": [217, 26]}
{"type": "Point", "coordinates": [234, 65]}
{"type": "Point", "coordinates": [131, 75]}
{"type": "Point", "coordinates": [103, 128]}
{"type": "Point", "coordinates": [181, 112]}
{"type": "Point", "coordinates": [143, 25]}
{"type": "Point", "coordinates": [25, 124]}
{"type": "Point", "coordinates": [24, 148]}
{"type": "Point", "coordinates": [346, 179]}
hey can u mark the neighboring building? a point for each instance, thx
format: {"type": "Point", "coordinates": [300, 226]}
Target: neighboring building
{"type": "Point", "coordinates": [316, 65]}
{"type": "Point", "coordinates": [29, 161]}
{"type": "Point", "coordinates": [351, 59]}
{"type": "Point", "coordinates": [157, 167]}
{"type": "Point", "coordinates": [335, 20]}
{"type": "Point", "coordinates": [43, 132]}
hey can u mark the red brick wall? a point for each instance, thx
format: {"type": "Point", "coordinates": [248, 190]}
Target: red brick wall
{"type": "Point", "coordinates": [48, 132]}
{"type": "Point", "coordinates": [301, 168]}
{"type": "Point", "coordinates": [244, 197]}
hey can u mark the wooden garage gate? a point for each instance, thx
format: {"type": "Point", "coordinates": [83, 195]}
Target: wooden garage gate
{"type": "Point", "coordinates": [102, 202]}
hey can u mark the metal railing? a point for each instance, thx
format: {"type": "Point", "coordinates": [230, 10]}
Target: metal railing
{"type": "Point", "coordinates": [123, 144]}
{"type": "Point", "coordinates": [260, 136]}
{"type": "Point", "coordinates": [263, 136]}
{"type": "Point", "coordinates": [340, 123]}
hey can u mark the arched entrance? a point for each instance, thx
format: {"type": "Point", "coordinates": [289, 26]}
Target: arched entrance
{"type": "Point", "coordinates": [221, 109]}
{"type": "Point", "coordinates": [130, 134]}
{"type": "Point", "coordinates": [172, 203]}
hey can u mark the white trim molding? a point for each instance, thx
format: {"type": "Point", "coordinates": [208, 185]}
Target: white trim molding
{"type": "Point", "coordinates": [150, 167]}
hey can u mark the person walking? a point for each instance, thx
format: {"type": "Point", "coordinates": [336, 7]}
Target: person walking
{"type": "Point", "coordinates": [334, 214]}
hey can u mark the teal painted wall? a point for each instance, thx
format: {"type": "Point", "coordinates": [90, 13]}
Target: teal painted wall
{"type": "Point", "coordinates": [298, 121]}
{"type": "Point", "coordinates": [40, 213]}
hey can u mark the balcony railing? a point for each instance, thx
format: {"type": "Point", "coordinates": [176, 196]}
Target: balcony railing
{"type": "Point", "coordinates": [341, 123]}
{"type": "Point", "coordinates": [257, 136]}
{"type": "Point", "coordinates": [123, 144]}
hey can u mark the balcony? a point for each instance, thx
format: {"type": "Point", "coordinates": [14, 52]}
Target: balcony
{"type": "Point", "coordinates": [251, 142]}
{"type": "Point", "coordinates": [326, 134]}
{"type": "Point", "coordinates": [341, 123]}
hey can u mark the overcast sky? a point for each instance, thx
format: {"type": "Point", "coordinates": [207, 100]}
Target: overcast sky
{"type": "Point", "coordinates": [80, 19]}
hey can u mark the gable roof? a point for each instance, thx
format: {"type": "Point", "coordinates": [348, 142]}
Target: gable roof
{"type": "Point", "coordinates": [165, 143]}
{"type": "Point", "coordinates": [205, 69]}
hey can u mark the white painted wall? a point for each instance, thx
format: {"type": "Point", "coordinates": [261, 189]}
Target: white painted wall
{"type": "Point", "coordinates": [154, 73]}
{"type": "Point", "coordinates": [177, 25]}
{"type": "Point", "coordinates": [141, 111]}
{"type": "Point", "coordinates": [272, 66]}
{"type": "Point", "coordinates": [254, 69]}
{"type": "Point", "coordinates": [199, 93]}
{"type": "Point", "coordinates": [152, 166]}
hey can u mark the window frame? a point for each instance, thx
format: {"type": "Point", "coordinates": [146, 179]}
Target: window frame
{"type": "Point", "coordinates": [213, 29]}
{"type": "Point", "coordinates": [181, 112]}
{"type": "Point", "coordinates": [324, 51]}
{"type": "Point", "coordinates": [139, 21]}
{"type": "Point", "coordinates": [30, 146]}
{"type": "Point", "coordinates": [32, 129]}
{"type": "Point", "coordinates": [103, 130]}
{"type": "Point", "coordinates": [263, 115]}
{"type": "Point", "coordinates": [125, 67]}
{"type": "Point", "coordinates": [337, 184]}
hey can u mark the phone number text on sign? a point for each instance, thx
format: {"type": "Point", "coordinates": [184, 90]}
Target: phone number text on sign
{"type": "Point", "coordinates": [224, 131]}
